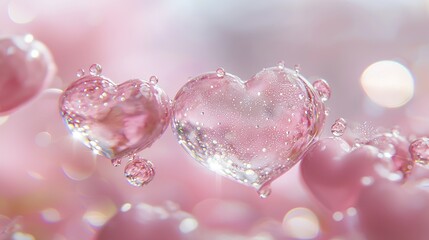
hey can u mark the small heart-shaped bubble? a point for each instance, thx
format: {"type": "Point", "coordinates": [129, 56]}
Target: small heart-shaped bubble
{"type": "Point", "coordinates": [115, 120]}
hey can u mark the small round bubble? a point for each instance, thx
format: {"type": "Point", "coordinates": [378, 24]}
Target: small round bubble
{"type": "Point", "coordinates": [339, 127]}
{"type": "Point", "coordinates": [95, 69]}
{"type": "Point", "coordinates": [323, 89]}
{"type": "Point", "coordinates": [220, 72]}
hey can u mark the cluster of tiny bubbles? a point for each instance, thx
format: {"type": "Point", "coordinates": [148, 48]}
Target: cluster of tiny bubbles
{"type": "Point", "coordinates": [419, 150]}
{"type": "Point", "coordinates": [339, 127]}
{"type": "Point", "coordinates": [139, 171]}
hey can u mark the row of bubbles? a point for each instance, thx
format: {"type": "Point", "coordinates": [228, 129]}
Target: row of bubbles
{"type": "Point", "coordinates": [251, 131]}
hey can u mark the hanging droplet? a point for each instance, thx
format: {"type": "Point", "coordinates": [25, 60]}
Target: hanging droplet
{"type": "Point", "coordinates": [153, 80]}
{"type": "Point", "coordinates": [220, 72]}
{"type": "Point", "coordinates": [297, 68]}
{"type": "Point", "coordinates": [139, 171]}
{"type": "Point", "coordinates": [264, 191]}
{"type": "Point", "coordinates": [116, 162]}
{"type": "Point", "coordinates": [95, 69]}
{"type": "Point", "coordinates": [80, 73]}
{"type": "Point", "coordinates": [281, 64]}
{"type": "Point", "coordinates": [323, 89]}
{"type": "Point", "coordinates": [339, 127]}
{"type": "Point", "coordinates": [419, 150]}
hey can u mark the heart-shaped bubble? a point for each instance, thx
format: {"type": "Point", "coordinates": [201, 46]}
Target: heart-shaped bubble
{"type": "Point", "coordinates": [335, 174]}
{"type": "Point", "coordinates": [115, 120]}
{"type": "Point", "coordinates": [250, 131]}
{"type": "Point", "coordinates": [26, 68]}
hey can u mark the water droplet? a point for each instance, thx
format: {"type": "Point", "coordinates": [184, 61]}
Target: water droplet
{"type": "Point", "coordinates": [281, 64]}
{"type": "Point", "coordinates": [202, 113]}
{"type": "Point", "coordinates": [264, 191]}
{"type": "Point", "coordinates": [116, 162]}
{"type": "Point", "coordinates": [419, 150]}
{"type": "Point", "coordinates": [95, 69]}
{"type": "Point", "coordinates": [153, 80]}
{"type": "Point", "coordinates": [323, 89]}
{"type": "Point", "coordinates": [220, 72]}
{"type": "Point", "coordinates": [297, 68]}
{"type": "Point", "coordinates": [139, 172]}
{"type": "Point", "coordinates": [339, 127]}
{"type": "Point", "coordinates": [80, 73]}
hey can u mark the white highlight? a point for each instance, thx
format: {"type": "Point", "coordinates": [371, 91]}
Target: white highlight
{"type": "Point", "coordinates": [388, 84]}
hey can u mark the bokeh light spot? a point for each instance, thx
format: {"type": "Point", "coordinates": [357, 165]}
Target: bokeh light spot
{"type": "Point", "coordinates": [301, 223]}
{"type": "Point", "coordinates": [388, 84]}
{"type": "Point", "coordinates": [22, 11]}
{"type": "Point", "coordinates": [3, 119]}
{"type": "Point", "coordinates": [51, 215]}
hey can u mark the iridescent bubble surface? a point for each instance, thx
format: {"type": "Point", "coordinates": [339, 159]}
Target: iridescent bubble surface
{"type": "Point", "coordinates": [115, 120]}
{"type": "Point", "coordinates": [250, 131]}
{"type": "Point", "coordinates": [394, 147]}
{"type": "Point", "coordinates": [26, 68]}
{"type": "Point", "coordinates": [139, 171]}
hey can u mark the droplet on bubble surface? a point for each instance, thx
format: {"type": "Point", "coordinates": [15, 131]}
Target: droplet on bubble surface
{"type": "Point", "coordinates": [95, 69]}
{"type": "Point", "coordinates": [139, 171]}
{"type": "Point", "coordinates": [153, 80]}
{"type": "Point", "coordinates": [323, 89]}
{"type": "Point", "coordinates": [264, 191]}
{"type": "Point", "coordinates": [281, 64]}
{"type": "Point", "coordinates": [339, 127]}
{"type": "Point", "coordinates": [80, 73]}
{"type": "Point", "coordinates": [419, 150]}
{"type": "Point", "coordinates": [220, 72]}
{"type": "Point", "coordinates": [297, 68]}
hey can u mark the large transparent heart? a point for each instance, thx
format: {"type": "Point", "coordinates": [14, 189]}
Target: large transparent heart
{"type": "Point", "coordinates": [115, 120]}
{"type": "Point", "coordinates": [250, 131]}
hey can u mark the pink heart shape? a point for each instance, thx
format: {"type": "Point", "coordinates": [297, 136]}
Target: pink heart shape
{"type": "Point", "coordinates": [250, 131]}
{"type": "Point", "coordinates": [112, 120]}
{"type": "Point", "coordinates": [335, 175]}
{"type": "Point", "coordinates": [390, 211]}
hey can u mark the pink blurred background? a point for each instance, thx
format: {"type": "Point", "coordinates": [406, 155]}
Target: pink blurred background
{"type": "Point", "coordinates": [54, 188]}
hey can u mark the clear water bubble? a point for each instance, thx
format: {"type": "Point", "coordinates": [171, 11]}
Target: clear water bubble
{"type": "Point", "coordinates": [153, 80]}
{"type": "Point", "coordinates": [254, 128]}
{"type": "Point", "coordinates": [339, 127]}
{"type": "Point", "coordinates": [281, 64]}
{"type": "Point", "coordinates": [323, 89]}
{"type": "Point", "coordinates": [95, 69]}
{"type": "Point", "coordinates": [80, 73]}
{"type": "Point", "coordinates": [220, 72]}
{"type": "Point", "coordinates": [419, 150]}
{"type": "Point", "coordinates": [139, 171]}
{"type": "Point", "coordinates": [116, 162]}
